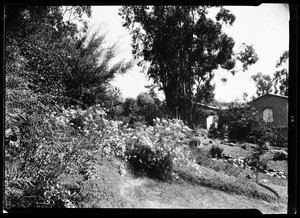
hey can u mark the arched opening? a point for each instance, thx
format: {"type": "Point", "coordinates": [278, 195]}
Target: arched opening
{"type": "Point", "coordinates": [268, 115]}
{"type": "Point", "coordinates": [212, 120]}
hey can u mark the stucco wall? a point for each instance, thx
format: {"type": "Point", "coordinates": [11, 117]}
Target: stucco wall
{"type": "Point", "coordinates": [279, 106]}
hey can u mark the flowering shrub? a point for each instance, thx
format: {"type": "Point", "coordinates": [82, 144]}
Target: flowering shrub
{"type": "Point", "coordinates": [168, 136]}
{"type": "Point", "coordinates": [59, 139]}
{"type": "Point", "coordinates": [114, 138]}
{"type": "Point", "coordinates": [154, 150]}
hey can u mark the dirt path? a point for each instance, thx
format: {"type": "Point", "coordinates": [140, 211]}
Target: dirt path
{"type": "Point", "coordinates": [137, 195]}
{"type": "Point", "coordinates": [147, 193]}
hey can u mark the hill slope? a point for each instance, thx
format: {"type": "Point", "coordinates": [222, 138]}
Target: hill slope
{"type": "Point", "coordinates": [148, 193]}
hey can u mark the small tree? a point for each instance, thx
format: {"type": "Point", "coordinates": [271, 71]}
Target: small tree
{"type": "Point", "coordinates": [264, 136]}
{"type": "Point", "coordinates": [113, 102]}
{"type": "Point", "coordinates": [147, 107]}
{"type": "Point", "coordinates": [261, 148]}
{"type": "Point", "coordinates": [129, 106]}
{"type": "Point", "coordinates": [92, 70]}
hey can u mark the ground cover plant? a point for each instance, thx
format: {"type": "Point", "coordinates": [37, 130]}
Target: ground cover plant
{"type": "Point", "coordinates": [218, 180]}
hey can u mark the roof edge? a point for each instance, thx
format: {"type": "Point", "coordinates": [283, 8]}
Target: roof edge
{"type": "Point", "coordinates": [281, 96]}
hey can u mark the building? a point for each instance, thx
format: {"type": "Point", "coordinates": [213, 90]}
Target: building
{"type": "Point", "coordinates": [206, 115]}
{"type": "Point", "coordinates": [274, 111]}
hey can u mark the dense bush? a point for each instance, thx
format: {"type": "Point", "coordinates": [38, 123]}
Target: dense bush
{"type": "Point", "coordinates": [142, 109]}
{"type": "Point", "coordinates": [41, 158]}
{"type": "Point", "coordinates": [147, 107]}
{"type": "Point", "coordinates": [32, 139]}
{"type": "Point", "coordinates": [152, 163]}
{"type": "Point", "coordinates": [262, 134]}
{"type": "Point", "coordinates": [280, 155]}
{"type": "Point", "coordinates": [216, 151]}
{"type": "Point", "coordinates": [53, 147]}
{"type": "Point", "coordinates": [42, 67]}
{"type": "Point", "coordinates": [240, 119]}
{"type": "Point", "coordinates": [154, 150]}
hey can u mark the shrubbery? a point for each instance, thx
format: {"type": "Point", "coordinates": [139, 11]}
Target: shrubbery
{"type": "Point", "coordinates": [280, 155]}
{"type": "Point", "coordinates": [154, 150]}
{"type": "Point", "coordinates": [50, 63]}
{"type": "Point", "coordinates": [152, 163]}
{"type": "Point", "coordinates": [240, 120]}
{"type": "Point", "coordinates": [41, 158]}
{"type": "Point", "coordinates": [216, 151]}
{"type": "Point", "coordinates": [266, 134]}
{"type": "Point", "coordinates": [143, 109]}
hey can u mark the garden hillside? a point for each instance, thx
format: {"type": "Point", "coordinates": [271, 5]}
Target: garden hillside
{"type": "Point", "coordinates": [105, 163]}
{"type": "Point", "coordinates": [72, 141]}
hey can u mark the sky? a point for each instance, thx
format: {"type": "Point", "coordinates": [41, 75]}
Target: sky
{"type": "Point", "coordinates": [266, 27]}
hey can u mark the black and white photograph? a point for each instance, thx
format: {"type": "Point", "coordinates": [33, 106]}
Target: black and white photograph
{"type": "Point", "coordinates": [146, 107]}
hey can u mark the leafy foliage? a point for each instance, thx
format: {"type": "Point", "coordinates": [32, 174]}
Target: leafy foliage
{"type": "Point", "coordinates": [278, 83]}
{"type": "Point", "coordinates": [92, 70]}
{"type": "Point", "coordinates": [129, 106]}
{"type": "Point", "coordinates": [145, 161]}
{"type": "Point", "coordinates": [114, 103]}
{"type": "Point", "coordinates": [147, 108]}
{"type": "Point", "coordinates": [280, 155]}
{"type": "Point", "coordinates": [45, 43]}
{"type": "Point", "coordinates": [263, 134]}
{"type": "Point", "coordinates": [281, 77]}
{"type": "Point", "coordinates": [143, 109]}
{"type": "Point", "coordinates": [216, 151]}
{"type": "Point", "coordinates": [240, 119]}
{"type": "Point", "coordinates": [42, 138]}
{"type": "Point", "coordinates": [248, 57]}
{"type": "Point", "coordinates": [264, 83]}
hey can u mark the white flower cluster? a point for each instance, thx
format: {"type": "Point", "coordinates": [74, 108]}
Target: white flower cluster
{"type": "Point", "coordinates": [167, 135]}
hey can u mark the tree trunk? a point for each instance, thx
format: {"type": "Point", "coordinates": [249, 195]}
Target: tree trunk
{"type": "Point", "coordinates": [256, 172]}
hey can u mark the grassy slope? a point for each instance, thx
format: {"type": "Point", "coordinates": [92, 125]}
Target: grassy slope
{"type": "Point", "coordinates": [199, 188]}
{"type": "Point", "coordinates": [109, 189]}
{"type": "Point", "coordinates": [148, 193]}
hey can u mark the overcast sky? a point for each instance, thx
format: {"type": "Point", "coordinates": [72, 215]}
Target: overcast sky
{"type": "Point", "coordinates": [266, 27]}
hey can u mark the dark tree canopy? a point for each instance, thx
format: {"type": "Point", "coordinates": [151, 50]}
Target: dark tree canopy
{"type": "Point", "coordinates": [45, 43]}
{"type": "Point", "coordinates": [184, 46]}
